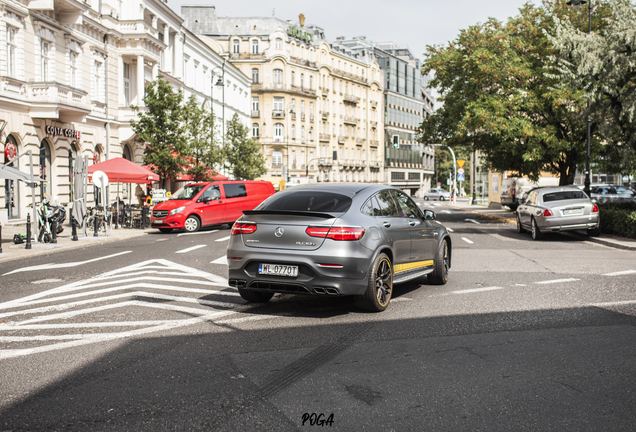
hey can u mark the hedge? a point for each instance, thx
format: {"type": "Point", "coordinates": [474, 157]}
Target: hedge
{"type": "Point", "coordinates": [619, 218]}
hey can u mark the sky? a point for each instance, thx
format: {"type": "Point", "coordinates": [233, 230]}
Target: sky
{"type": "Point", "coordinates": [412, 23]}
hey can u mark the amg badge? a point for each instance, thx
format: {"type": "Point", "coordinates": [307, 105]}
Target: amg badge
{"type": "Point", "coordinates": [305, 244]}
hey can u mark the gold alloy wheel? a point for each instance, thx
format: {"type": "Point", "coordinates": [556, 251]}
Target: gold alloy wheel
{"type": "Point", "coordinates": [384, 282]}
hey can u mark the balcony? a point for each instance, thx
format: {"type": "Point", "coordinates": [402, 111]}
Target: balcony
{"type": "Point", "coordinates": [67, 11]}
{"type": "Point", "coordinates": [260, 87]}
{"type": "Point", "coordinates": [374, 124]}
{"type": "Point", "coordinates": [278, 114]}
{"type": "Point", "coordinates": [137, 27]}
{"type": "Point", "coordinates": [360, 141]}
{"type": "Point", "coordinates": [351, 98]}
{"type": "Point", "coordinates": [341, 139]}
{"type": "Point", "coordinates": [350, 120]}
{"type": "Point", "coordinates": [325, 162]}
{"type": "Point", "coordinates": [374, 143]}
{"type": "Point", "coordinates": [324, 91]}
{"type": "Point", "coordinates": [250, 56]}
{"type": "Point", "coordinates": [324, 115]}
{"type": "Point", "coordinates": [256, 113]}
{"type": "Point", "coordinates": [53, 100]}
{"type": "Point", "coordinates": [302, 62]}
{"type": "Point", "coordinates": [324, 137]}
{"type": "Point", "coordinates": [292, 115]}
{"type": "Point", "coordinates": [374, 104]}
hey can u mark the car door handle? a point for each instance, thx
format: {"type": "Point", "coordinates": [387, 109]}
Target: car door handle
{"type": "Point", "coordinates": [387, 224]}
{"type": "Point", "coordinates": [412, 223]}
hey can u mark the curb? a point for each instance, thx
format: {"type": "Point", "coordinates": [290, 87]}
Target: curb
{"type": "Point", "coordinates": [499, 218]}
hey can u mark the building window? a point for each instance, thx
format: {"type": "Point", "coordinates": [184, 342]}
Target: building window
{"type": "Point", "coordinates": [311, 134]}
{"type": "Point", "coordinates": [279, 44]}
{"type": "Point", "coordinates": [302, 107]}
{"type": "Point", "coordinates": [44, 65]}
{"type": "Point", "coordinates": [279, 103]}
{"type": "Point", "coordinates": [293, 78]}
{"type": "Point", "coordinates": [72, 63]}
{"type": "Point", "coordinates": [126, 84]}
{"type": "Point", "coordinates": [255, 46]}
{"type": "Point", "coordinates": [11, 51]}
{"type": "Point", "coordinates": [277, 158]}
{"type": "Point", "coordinates": [302, 133]}
{"type": "Point", "coordinates": [255, 103]}
{"type": "Point", "coordinates": [254, 76]}
{"type": "Point", "coordinates": [254, 130]}
{"type": "Point", "coordinates": [235, 46]}
{"type": "Point", "coordinates": [311, 82]}
{"type": "Point", "coordinates": [293, 131]}
{"type": "Point", "coordinates": [97, 93]}
{"type": "Point", "coordinates": [279, 131]}
{"type": "Point", "coordinates": [278, 76]}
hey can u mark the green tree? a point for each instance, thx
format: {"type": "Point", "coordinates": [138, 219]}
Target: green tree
{"type": "Point", "coordinates": [500, 94]}
{"type": "Point", "coordinates": [160, 126]}
{"type": "Point", "coordinates": [203, 146]}
{"type": "Point", "coordinates": [242, 156]}
{"type": "Point", "coordinates": [603, 65]}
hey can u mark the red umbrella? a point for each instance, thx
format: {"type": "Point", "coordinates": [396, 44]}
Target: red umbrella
{"type": "Point", "coordinates": [211, 174]}
{"type": "Point", "coordinates": [124, 171]}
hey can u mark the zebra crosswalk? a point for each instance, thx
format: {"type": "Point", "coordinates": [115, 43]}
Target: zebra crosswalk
{"type": "Point", "coordinates": [86, 311]}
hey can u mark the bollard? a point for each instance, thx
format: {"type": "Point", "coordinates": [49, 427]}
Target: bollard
{"type": "Point", "coordinates": [74, 228]}
{"type": "Point", "coordinates": [0, 238]}
{"type": "Point", "coordinates": [28, 243]}
{"type": "Point", "coordinates": [54, 231]}
{"type": "Point", "coordinates": [95, 224]}
{"type": "Point", "coordinates": [144, 216]}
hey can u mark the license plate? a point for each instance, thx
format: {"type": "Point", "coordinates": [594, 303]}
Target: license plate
{"type": "Point", "coordinates": [572, 211]}
{"type": "Point", "coordinates": [278, 270]}
{"type": "Point", "coordinates": [158, 221]}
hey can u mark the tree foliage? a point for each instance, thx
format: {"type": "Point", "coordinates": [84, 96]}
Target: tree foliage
{"type": "Point", "coordinates": [160, 126]}
{"type": "Point", "coordinates": [603, 66]}
{"type": "Point", "coordinates": [203, 146]}
{"type": "Point", "coordinates": [500, 94]}
{"type": "Point", "coordinates": [242, 156]}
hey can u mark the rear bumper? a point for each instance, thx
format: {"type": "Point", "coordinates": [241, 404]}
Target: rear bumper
{"type": "Point", "coordinates": [350, 279]}
{"type": "Point", "coordinates": [569, 224]}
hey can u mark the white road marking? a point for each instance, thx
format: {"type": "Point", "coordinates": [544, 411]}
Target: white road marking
{"type": "Point", "coordinates": [16, 326]}
{"type": "Point", "coordinates": [502, 238]}
{"type": "Point", "coordinates": [445, 211]}
{"type": "Point", "coordinates": [620, 273]}
{"type": "Point", "coordinates": [473, 221]}
{"type": "Point", "coordinates": [557, 281]}
{"type": "Point", "coordinates": [467, 241]}
{"type": "Point", "coordinates": [474, 290]}
{"type": "Point", "coordinates": [450, 229]}
{"type": "Point", "coordinates": [620, 303]}
{"type": "Point", "coordinates": [46, 281]}
{"type": "Point", "coordinates": [437, 205]}
{"type": "Point", "coordinates": [401, 299]}
{"type": "Point", "coordinates": [197, 233]}
{"type": "Point", "coordinates": [220, 260]}
{"type": "Point", "coordinates": [63, 265]}
{"type": "Point", "coordinates": [223, 239]}
{"type": "Point", "coordinates": [520, 285]}
{"type": "Point", "coordinates": [245, 319]}
{"type": "Point", "coordinates": [190, 249]}
{"type": "Point", "coordinates": [163, 239]}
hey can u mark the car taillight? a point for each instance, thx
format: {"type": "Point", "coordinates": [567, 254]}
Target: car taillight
{"type": "Point", "coordinates": [336, 233]}
{"type": "Point", "coordinates": [595, 209]}
{"type": "Point", "coordinates": [547, 213]}
{"type": "Point", "coordinates": [243, 228]}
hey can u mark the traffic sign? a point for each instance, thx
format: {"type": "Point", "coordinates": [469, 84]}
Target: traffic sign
{"type": "Point", "coordinates": [461, 163]}
{"type": "Point", "coordinates": [460, 171]}
{"type": "Point", "coordinates": [460, 177]}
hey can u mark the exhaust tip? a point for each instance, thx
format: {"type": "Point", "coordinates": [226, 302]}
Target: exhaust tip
{"type": "Point", "coordinates": [319, 290]}
{"type": "Point", "coordinates": [332, 291]}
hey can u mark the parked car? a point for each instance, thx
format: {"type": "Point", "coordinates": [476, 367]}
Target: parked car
{"type": "Point", "coordinates": [336, 239]}
{"type": "Point", "coordinates": [437, 194]}
{"type": "Point", "coordinates": [554, 209]}
{"type": "Point", "coordinates": [201, 204]}
{"type": "Point", "coordinates": [513, 189]}
{"type": "Point", "coordinates": [603, 193]}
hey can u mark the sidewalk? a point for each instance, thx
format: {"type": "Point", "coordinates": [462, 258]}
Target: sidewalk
{"type": "Point", "coordinates": [12, 251]}
{"type": "Point", "coordinates": [509, 217]}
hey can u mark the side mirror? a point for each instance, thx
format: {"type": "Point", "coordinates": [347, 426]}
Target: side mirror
{"type": "Point", "coordinates": [207, 199]}
{"type": "Point", "coordinates": [429, 215]}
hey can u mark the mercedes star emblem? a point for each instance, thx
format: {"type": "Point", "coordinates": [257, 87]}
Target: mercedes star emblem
{"type": "Point", "coordinates": [279, 232]}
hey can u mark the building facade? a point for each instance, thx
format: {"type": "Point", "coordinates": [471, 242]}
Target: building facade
{"type": "Point", "coordinates": [408, 164]}
{"type": "Point", "coordinates": [311, 99]}
{"type": "Point", "coordinates": [69, 72]}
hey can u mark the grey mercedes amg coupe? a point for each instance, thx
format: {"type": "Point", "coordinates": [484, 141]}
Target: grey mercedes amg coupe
{"type": "Point", "coordinates": [336, 239]}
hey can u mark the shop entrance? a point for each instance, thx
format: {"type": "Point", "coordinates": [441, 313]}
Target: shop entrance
{"type": "Point", "coordinates": [12, 187]}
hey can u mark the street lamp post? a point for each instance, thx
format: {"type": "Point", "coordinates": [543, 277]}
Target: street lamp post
{"type": "Point", "coordinates": [577, 4]}
{"type": "Point", "coordinates": [220, 84]}
{"type": "Point", "coordinates": [453, 192]}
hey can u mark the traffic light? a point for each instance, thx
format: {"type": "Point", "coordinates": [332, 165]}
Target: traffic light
{"type": "Point", "coordinates": [396, 141]}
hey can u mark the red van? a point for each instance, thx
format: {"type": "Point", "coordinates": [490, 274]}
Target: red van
{"type": "Point", "coordinates": [200, 204]}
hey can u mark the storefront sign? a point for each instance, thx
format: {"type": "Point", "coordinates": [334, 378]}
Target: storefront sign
{"type": "Point", "coordinates": [10, 152]}
{"type": "Point", "coordinates": [300, 34]}
{"type": "Point", "coordinates": [56, 131]}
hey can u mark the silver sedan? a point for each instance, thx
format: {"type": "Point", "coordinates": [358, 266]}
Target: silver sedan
{"type": "Point", "coordinates": [559, 208]}
{"type": "Point", "coordinates": [437, 194]}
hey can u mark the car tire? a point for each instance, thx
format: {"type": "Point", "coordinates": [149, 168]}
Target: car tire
{"type": "Point", "coordinates": [425, 198]}
{"type": "Point", "coordinates": [255, 296]}
{"type": "Point", "coordinates": [165, 230]}
{"type": "Point", "coordinates": [520, 228]}
{"type": "Point", "coordinates": [377, 296]}
{"type": "Point", "coordinates": [192, 224]}
{"type": "Point", "coordinates": [442, 264]}
{"type": "Point", "coordinates": [594, 232]}
{"type": "Point", "coordinates": [441, 198]}
{"type": "Point", "coordinates": [536, 232]}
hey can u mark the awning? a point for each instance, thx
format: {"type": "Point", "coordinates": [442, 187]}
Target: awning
{"type": "Point", "coordinates": [122, 170]}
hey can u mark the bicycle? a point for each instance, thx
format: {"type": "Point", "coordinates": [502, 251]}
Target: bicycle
{"type": "Point", "coordinates": [103, 217]}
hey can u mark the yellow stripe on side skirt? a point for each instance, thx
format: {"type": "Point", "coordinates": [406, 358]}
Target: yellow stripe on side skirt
{"type": "Point", "coordinates": [399, 268]}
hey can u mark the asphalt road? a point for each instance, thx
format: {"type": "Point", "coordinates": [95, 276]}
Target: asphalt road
{"type": "Point", "coordinates": [145, 335]}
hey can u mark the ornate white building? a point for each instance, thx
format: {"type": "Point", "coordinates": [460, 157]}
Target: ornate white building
{"type": "Point", "coordinates": [69, 73]}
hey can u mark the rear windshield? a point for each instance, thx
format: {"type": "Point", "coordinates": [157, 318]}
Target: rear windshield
{"type": "Point", "coordinates": [564, 195]}
{"type": "Point", "coordinates": [187, 192]}
{"type": "Point", "coordinates": [308, 201]}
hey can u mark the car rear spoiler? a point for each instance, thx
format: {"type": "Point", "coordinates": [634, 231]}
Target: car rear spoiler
{"type": "Point", "coordinates": [290, 213]}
